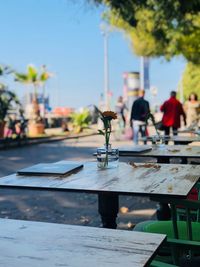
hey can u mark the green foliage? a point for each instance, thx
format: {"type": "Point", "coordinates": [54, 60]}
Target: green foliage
{"type": "Point", "coordinates": [8, 99]}
{"type": "Point", "coordinates": [33, 76]}
{"type": "Point", "coordinates": [101, 132]}
{"type": "Point", "coordinates": [5, 70]}
{"type": "Point", "coordinates": [8, 102]}
{"type": "Point", "coordinates": [80, 120]}
{"type": "Point", "coordinates": [158, 27]}
{"type": "Point", "coordinates": [191, 80]}
{"type": "Point", "coordinates": [36, 78]}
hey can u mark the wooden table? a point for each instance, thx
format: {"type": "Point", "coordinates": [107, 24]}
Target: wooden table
{"type": "Point", "coordinates": [36, 244]}
{"type": "Point", "coordinates": [164, 180]}
{"type": "Point", "coordinates": [189, 131]}
{"type": "Point", "coordinates": [177, 139]}
{"type": "Point", "coordinates": [163, 153]}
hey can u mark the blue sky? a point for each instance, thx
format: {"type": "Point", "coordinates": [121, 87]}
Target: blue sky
{"type": "Point", "coordinates": [66, 37]}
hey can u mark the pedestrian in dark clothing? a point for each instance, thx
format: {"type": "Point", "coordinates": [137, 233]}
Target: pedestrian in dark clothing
{"type": "Point", "coordinates": [172, 111]}
{"type": "Point", "coordinates": [139, 111]}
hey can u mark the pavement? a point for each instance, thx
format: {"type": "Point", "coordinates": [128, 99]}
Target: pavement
{"type": "Point", "coordinates": [61, 207]}
{"type": "Point", "coordinates": [51, 135]}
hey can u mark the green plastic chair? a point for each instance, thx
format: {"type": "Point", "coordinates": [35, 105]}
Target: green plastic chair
{"type": "Point", "coordinates": [161, 264]}
{"type": "Point", "coordinates": [183, 237]}
{"type": "Point", "coordinates": [194, 213]}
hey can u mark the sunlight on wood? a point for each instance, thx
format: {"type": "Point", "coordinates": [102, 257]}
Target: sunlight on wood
{"type": "Point", "coordinates": [14, 158]}
{"type": "Point", "coordinates": [126, 226]}
{"type": "Point", "coordinates": [142, 212]}
{"type": "Point", "coordinates": [124, 210]}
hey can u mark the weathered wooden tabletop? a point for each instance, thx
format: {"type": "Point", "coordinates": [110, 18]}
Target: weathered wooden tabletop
{"type": "Point", "coordinates": [178, 151]}
{"type": "Point", "coordinates": [36, 244]}
{"type": "Point", "coordinates": [175, 138]}
{"type": "Point", "coordinates": [141, 179]}
{"type": "Point", "coordinates": [180, 138]}
{"type": "Point", "coordinates": [190, 131]}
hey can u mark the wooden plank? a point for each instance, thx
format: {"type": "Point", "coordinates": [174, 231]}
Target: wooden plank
{"type": "Point", "coordinates": [142, 179]}
{"type": "Point", "coordinates": [178, 151]}
{"type": "Point", "coordinates": [36, 244]}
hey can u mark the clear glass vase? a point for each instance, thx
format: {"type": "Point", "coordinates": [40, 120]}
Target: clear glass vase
{"type": "Point", "coordinates": [158, 140]}
{"type": "Point", "coordinates": [107, 157]}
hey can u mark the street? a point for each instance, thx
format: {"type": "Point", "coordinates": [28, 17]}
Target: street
{"type": "Point", "coordinates": [61, 207]}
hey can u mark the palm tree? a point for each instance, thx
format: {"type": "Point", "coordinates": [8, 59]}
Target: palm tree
{"type": "Point", "coordinates": [5, 70]}
{"type": "Point", "coordinates": [36, 79]}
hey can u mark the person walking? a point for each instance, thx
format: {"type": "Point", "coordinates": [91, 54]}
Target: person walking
{"type": "Point", "coordinates": [139, 111]}
{"type": "Point", "coordinates": [172, 111]}
{"type": "Point", "coordinates": [192, 107]}
{"type": "Point", "coordinates": [120, 108]}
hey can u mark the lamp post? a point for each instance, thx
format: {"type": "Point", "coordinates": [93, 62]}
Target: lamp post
{"type": "Point", "coordinates": [144, 73]}
{"type": "Point", "coordinates": [154, 92]}
{"type": "Point", "coordinates": [105, 32]}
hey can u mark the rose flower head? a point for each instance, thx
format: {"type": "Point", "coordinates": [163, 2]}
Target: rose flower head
{"type": "Point", "coordinates": [109, 115]}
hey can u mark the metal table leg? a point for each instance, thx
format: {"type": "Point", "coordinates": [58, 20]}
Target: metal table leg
{"type": "Point", "coordinates": [108, 207]}
{"type": "Point", "coordinates": [184, 160]}
{"type": "Point", "coordinates": [161, 159]}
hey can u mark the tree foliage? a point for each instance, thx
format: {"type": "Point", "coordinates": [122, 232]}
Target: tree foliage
{"type": "Point", "coordinates": [36, 78]}
{"type": "Point", "coordinates": [191, 80]}
{"type": "Point", "coordinates": [8, 99]}
{"type": "Point", "coordinates": [80, 120]}
{"type": "Point", "coordinates": [33, 76]}
{"type": "Point", "coordinates": [5, 70]}
{"type": "Point", "coordinates": [158, 27]}
{"type": "Point", "coordinates": [8, 102]}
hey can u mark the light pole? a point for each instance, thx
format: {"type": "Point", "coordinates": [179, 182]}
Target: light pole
{"type": "Point", "coordinates": [144, 73]}
{"type": "Point", "coordinates": [105, 32]}
{"type": "Point", "coordinates": [154, 92]}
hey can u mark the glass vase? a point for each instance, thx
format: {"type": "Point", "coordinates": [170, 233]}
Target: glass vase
{"type": "Point", "coordinates": [107, 157]}
{"type": "Point", "coordinates": [158, 140]}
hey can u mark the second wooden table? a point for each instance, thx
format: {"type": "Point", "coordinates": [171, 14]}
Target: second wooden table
{"type": "Point", "coordinates": [164, 180]}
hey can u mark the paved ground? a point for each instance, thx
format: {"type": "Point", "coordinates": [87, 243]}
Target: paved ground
{"type": "Point", "coordinates": [62, 207]}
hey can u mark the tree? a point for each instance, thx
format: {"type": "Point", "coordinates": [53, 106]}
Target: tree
{"type": "Point", "coordinates": [5, 70]}
{"type": "Point", "coordinates": [158, 27]}
{"type": "Point", "coordinates": [8, 100]}
{"type": "Point", "coordinates": [36, 79]}
{"type": "Point", "coordinates": [191, 80]}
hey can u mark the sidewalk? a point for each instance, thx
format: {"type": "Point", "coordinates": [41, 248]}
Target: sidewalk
{"type": "Point", "coordinates": [52, 135]}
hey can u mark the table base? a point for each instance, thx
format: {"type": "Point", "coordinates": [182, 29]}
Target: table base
{"type": "Point", "coordinates": [108, 207]}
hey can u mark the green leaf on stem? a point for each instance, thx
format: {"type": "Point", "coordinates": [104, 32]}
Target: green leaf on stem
{"type": "Point", "coordinates": [101, 132]}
